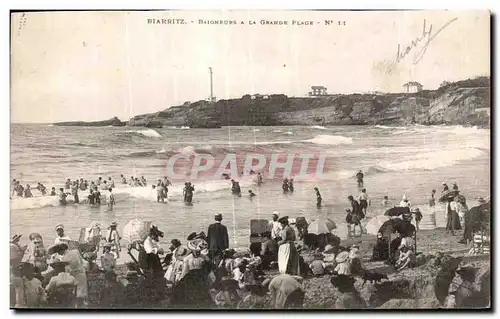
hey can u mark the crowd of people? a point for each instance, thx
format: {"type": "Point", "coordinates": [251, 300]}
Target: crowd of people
{"type": "Point", "coordinates": [203, 272]}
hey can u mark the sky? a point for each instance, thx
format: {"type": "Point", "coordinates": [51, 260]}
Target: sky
{"type": "Point", "coordinates": [88, 66]}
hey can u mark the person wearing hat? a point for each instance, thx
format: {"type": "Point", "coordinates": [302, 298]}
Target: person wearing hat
{"type": "Point", "coordinates": [114, 239]}
{"type": "Point", "coordinates": [194, 260]}
{"type": "Point", "coordinates": [28, 289]}
{"type": "Point", "coordinates": [174, 270]}
{"type": "Point", "coordinates": [60, 279]}
{"type": "Point", "coordinates": [343, 266]}
{"type": "Point", "coordinates": [35, 253]}
{"type": "Point", "coordinates": [445, 188]}
{"type": "Point", "coordinates": [153, 250]}
{"type": "Point", "coordinates": [452, 218]}
{"type": "Point", "coordinates": [455, 187]}
{"type": "Point", "coordinates": [288, 257]}
{"type": "Point", "coordinates": [218, 239]}
{"type": "Point", "coordinates": [275, 226]}
{"type": "Point", "coordinates": [61, 238]}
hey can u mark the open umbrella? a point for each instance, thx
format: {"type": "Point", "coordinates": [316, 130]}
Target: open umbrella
{"type": "Point", "coordinates": [321, 226]}
{"type": "Point", "coordinates": [448, 196]}
{"type": "Point", "coordinates": [375, 223]}
{"type": "Point", "coordinates": [136, 230]}
{"type": "Point", "coordinates": [397, 211]}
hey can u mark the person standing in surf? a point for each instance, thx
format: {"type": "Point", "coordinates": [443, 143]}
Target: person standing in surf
{"type": "Point", "coordinates": [359, 178]}
{"type": "Point", "coordinates": [160, 193]}
{"type": "Point", "coordinates": [432, 200]}
{"type": "Point", "coordinates": [259, 179]}
{"type": "Point", "coordinates": [290, 185]}
{"type": "Point", "coordinates": [62, 197]}
{"type": "Point", "coordinates": [165, 190]}
{"type": "Point", "coordinates": [318, 197]}
{"type": "Point", "coordinates": [111, 199]}
{"type": "Point", "coordinates": [67, 185]}
{"type": "Point", "coordinates": [288, 257]}
{"type": "Point", "coordinates": [357, 212]}
{"type": "Point", "coordinates": [185, 191]}
{"type": "Point", "coordinates": [188, 195]}
{"type": "Point", "coordinates": [124, 180]}
{"type": "Point", "coordinates": [285, 185]}
{"type": "Point", "coordinates": [167, 182]}
{"type": "Point", "coordinates": [74, 192]}
{"type": "Point", "coordinates": [364, 201]}
{"type": "Point", "coordinates": [27, 192]}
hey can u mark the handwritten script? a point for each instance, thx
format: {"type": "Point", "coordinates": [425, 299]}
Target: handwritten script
{"type": "Point", "coordinates": [428, 34]}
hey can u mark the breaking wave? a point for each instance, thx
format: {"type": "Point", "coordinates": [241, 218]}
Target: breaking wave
{"type": "Point", "coordinates": [329, 140]}
{"type": "Point", "coordinates": [146, 132]}
{"type": "Point", "coordinates": [318, 127]}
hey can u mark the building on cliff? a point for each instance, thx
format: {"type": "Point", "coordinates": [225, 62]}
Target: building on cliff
{"type": "Point", "coordinates": [318, 91]}
{"type": "Point", "coordinates": [260, 96]}
{"type": "Point", "coordinates": [412, 87]}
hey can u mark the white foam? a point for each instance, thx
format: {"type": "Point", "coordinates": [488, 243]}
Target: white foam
{"type": "Point", "coordinates": [318, 127]}
{"type": "Point", "coordinates": [277, 131]}
{"type": "Point", "coordinates": [146, 132]}
{"type": "Point", "coordinates": [433, 160]}
{"type": "Point", "coordinates": [288, 133]}
{"type": "Point", "coordinates": [330, 140]}
{"type": "Point", "coordinates": [256, 130]}
{"type": "Point", "coordinates": [176, 189]}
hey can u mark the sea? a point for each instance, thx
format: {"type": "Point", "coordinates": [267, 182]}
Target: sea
{"type": "Point", "coordinates": [396, 161]}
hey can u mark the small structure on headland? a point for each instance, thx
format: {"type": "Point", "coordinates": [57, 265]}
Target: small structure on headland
{"type": "Point", "coordinates": [318, 91]}
{"type": "Point", "coordinates": [211, 98]}
{"type": "Point", "coordinates": [259, 96]}
{"type": "Point", "coordinates": [413, 87]}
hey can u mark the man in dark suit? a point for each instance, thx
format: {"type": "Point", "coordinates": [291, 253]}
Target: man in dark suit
{"type": "Point", "coordinates": [218, 239]}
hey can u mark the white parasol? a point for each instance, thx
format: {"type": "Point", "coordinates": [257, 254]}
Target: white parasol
{"type": "Point", "coordinates": [373, 226]}
{"type": "Point", "coordinates": [136, 230]}
{"type": "Point", "coordinates": [321, 226]}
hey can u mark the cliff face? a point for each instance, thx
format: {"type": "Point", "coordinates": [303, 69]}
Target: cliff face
{"type": "Point", "coordinates": [113, 122]}
{"type": "Point", "coordinates": [464, 102]}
